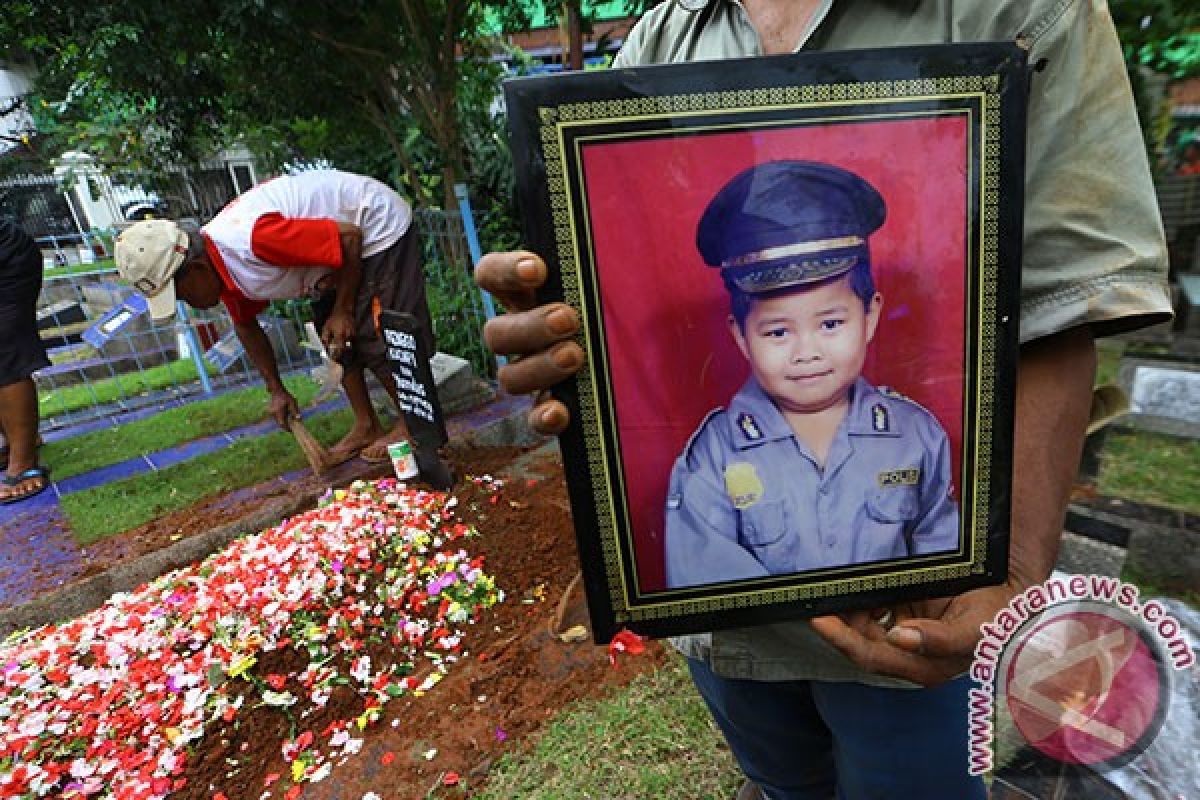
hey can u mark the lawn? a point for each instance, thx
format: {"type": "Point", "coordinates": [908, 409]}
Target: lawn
{"type": "Point", "coordinates": [652, 739]}
{"type": "Point", "coordinates": [109, 390]}
{"type": "Point", "coordinates": [121, 505]}
{"type": "Point", "coordinates": [175, 426]}
{"type": "Point", "coordinates": [1151, 468]}
{"type": "Point", "coordinates": [100, 265]}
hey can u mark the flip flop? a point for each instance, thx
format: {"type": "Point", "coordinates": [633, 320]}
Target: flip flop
{"type": "Point", "coordinates": [27, 475]}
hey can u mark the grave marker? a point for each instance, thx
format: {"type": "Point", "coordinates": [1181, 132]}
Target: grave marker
{"type": "Point", "coordinates": [1164, 396]}
{"type": "Point", "coordinates": [415, 386]}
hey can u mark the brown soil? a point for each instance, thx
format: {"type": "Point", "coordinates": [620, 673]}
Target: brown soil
{"type": "Point", "coordinates": [518, 672]}
{"type": "Point", "coordinates": [219, 510]}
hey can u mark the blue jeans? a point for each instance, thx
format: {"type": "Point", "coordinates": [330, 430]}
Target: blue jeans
{"type": "Point", "coordinates": [811, 740]}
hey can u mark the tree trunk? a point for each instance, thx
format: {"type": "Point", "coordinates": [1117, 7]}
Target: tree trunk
{"type": "Point", "coordinates": [574, 36]}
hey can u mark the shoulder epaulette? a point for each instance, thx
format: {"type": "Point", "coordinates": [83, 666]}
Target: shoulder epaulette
{"type": "Point", "coordinates": [704, 423]}
{"type": "Point", "coordinates": [892, 394]}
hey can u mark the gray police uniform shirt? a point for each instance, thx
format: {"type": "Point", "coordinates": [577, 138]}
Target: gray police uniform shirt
{"type": "Point", "coordinates": [748, 499]}
{"type": "Point", "coordinates": [1093, 249]}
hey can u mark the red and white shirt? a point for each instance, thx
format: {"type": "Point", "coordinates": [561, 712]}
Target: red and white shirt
{"type": "Point", "coordinates": [279, 239]}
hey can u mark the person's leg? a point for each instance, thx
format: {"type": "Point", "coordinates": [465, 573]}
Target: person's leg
{"type": "Point", "coordinates": [906, 743]}
{"type": "Point", "coordinates": [392, 280]}
{"type": "Point", "coordinates": [774, 731]}
{"type": "Point", "coordinates": [21, 355]}
{"type": "Point", "coordinates": [19, 419]}
{"type": "Point", "coordinates": [377, 449]}
{"type": "Point", "coordinates": [366, 428]}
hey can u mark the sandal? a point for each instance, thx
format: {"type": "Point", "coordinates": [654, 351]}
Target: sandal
{"type": "Point", "coordinates": [33, 473]}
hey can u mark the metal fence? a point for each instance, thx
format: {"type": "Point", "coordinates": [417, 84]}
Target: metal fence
{"type": "Point", "coordinates": [109, 358]}
{"type": "Point", "coordinates": [54, 214]}
{"type": "Point", "coordinates": [1179, 202]}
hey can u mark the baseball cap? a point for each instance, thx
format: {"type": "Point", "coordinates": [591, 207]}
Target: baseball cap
{"type": "Point", "coordinates": [148, 254]}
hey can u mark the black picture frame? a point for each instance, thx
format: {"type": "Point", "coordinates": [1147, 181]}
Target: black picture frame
{"type": "Point", "coordinates": [607, 159]}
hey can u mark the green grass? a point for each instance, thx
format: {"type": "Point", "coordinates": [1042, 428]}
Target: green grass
{"type": "Point", "coordinates": [1108, 361]}
{"type": "Point", "coordinates": [101, 265]}
{"type": "Point", "coordinates": [653, 739]}
{"type": "Point", "coordinates": [108, 390]}
{"type": "Point", "coordinates": [84, 453]}
{"type": "Point", "coordinates": [1151, 587]}
{"type": "Point", "coordinates": [1151, 468]}
{"type": "Point", "coordinates": [115, 507]}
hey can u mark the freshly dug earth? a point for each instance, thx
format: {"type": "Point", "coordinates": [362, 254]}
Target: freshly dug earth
{"type": "Point", "coordinates": [518, 671]}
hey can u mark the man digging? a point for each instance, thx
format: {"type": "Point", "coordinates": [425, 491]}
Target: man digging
{"type": "Point", "coordinates": [344, 240]}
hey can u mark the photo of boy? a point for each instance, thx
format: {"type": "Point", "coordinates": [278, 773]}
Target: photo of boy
{"type": "Point", "coordinates": [810, 466]}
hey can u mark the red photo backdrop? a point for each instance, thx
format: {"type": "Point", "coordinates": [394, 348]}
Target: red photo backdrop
{"type": "Point", "coordinates": [672, 359]}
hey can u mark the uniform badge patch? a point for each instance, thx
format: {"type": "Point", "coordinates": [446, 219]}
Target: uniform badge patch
{"type": "Point", "coordinates": [879, 418]}
{"type": "Point", "coordinates": [749, 427]}
{"type": "Point", "coordinates": [900, 477]}
{"type": "Point", "coordinates": [742, 484]}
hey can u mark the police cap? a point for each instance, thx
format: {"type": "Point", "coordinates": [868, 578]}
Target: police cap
{"type": "Point", "coordinates": [784, 223]}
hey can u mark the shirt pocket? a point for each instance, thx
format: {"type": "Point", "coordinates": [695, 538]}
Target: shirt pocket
{"type": "Point", "coordinates": [893, 505]}
{"type": "Point", "coordinates": [764, 524]}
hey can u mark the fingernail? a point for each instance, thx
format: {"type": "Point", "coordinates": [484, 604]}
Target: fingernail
{"type": "Point", "coordinates": [527, 269]}
{"type": "Point", "coordinates": [564, 358]}
{"type": "Point", "coordinates": [560, 321]}
{"type": "Point", "coordinates": [906, 638]}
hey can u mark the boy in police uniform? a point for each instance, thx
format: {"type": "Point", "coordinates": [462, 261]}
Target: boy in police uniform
{"type": "Point", "coordinates": [810, 466]}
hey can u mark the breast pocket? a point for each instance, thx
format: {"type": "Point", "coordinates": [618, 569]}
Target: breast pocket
{"type": "Point", "coordinates": [893, 504]}
{"type": "Point", "coordinates": [764, 524]}
{"type": "Point", "coordinates": [766, 534]}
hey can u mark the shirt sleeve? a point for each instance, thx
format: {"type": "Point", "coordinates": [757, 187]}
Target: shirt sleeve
{"type": "Point", "coordinates": [241, 308]}
{"type": "Point", "coordinates": [936, 530]}
{"type": "Point", "coordinates": [701, 531]}
{"type": "Point", "coordinates": [1094, 251]}
{"type": "Point", "coordinates": [295, 242]}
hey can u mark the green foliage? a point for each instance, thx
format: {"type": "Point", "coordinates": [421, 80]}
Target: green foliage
{"type": "Point", "coordinates": [1162, 36]}
{"type": "Point", "coordinates": [392, 88]}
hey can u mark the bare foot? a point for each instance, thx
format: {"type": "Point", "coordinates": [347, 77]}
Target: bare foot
{"type": "Point", "coordinates": [353, 442]}
{"type": "Point", "coordinates": [378, 450]}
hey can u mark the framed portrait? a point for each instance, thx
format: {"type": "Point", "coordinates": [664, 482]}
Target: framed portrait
{"type": "Point", "coordinates": [798, 278]}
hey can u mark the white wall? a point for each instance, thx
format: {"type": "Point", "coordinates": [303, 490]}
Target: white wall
{"type": "Point", "coordinates": [15, 80]}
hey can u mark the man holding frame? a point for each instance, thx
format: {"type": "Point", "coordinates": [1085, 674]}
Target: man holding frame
{"type": "Point", "coordinates": [814, 708]}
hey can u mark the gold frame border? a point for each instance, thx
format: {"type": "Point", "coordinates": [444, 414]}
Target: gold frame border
{"type": "Point", "coordinates": [554, 120]}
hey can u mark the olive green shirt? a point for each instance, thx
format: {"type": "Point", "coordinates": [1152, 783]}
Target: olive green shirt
{"type": "Point", "coordinates": [1093, 251]}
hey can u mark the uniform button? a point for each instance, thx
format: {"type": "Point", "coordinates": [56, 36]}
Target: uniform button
{"type": "Point", "coordinates": [824, 489]}
{"type": "Point", "coordinates": [830, 542]}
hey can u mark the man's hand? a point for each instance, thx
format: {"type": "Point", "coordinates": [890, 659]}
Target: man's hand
{"type": "Point", "coordinates": [337, 333]}
{"type": "Point", "coordinates": [927, 643]}
{"type": "Point", "coordinates": [541, 334]}
{"type": "Point", "coordinates": [933, 641]}
{"type": "Point", "coordinates": [282, 407]}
